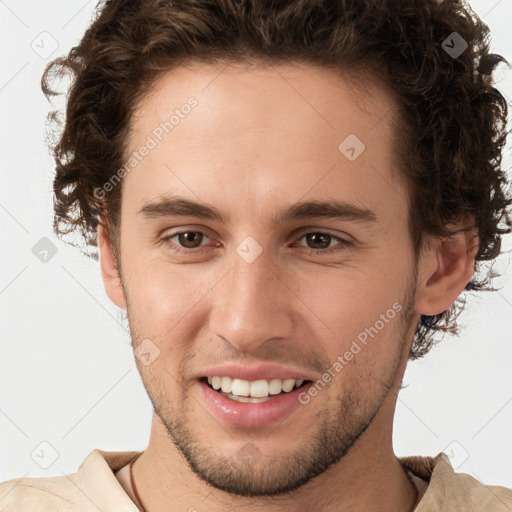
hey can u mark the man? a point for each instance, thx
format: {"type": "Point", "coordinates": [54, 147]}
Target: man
{"type": "Point", "coordinates": [267, 184]}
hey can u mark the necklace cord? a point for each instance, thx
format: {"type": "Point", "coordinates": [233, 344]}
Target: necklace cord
{"type": "Point", "coordinates": [132, 482]}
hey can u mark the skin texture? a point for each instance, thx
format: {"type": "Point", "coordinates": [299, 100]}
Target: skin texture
{"type": "Point", "coordinates": [260, 139]}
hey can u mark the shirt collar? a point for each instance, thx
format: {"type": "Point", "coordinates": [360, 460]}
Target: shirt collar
{"type": "Point", "coordinates": [100, 484]}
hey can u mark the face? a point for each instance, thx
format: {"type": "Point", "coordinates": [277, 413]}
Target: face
{"type": "Point", "coordinates": [295, 262]}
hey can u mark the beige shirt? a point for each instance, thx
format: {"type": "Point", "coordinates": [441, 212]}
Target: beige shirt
{"type": "Point", "coordinates": [95, 487]}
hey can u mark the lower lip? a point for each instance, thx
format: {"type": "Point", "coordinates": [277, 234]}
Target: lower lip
{"type": "Point", "coordinates": [251, 415]}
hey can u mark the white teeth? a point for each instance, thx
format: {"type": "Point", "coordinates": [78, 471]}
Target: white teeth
{"type": "Point", "coordinates": [288, 385]}
{"type": "Point", "coordinates": [256, 389]}
{"type": "Point", "coordinates": [240, 387]}
{"type": "Point", "coordinates": [274, 387]}
{"type": "Point", "coordinates": [248, 399]}
{"type": "Point", "coordinates": [216, 382]}
{"type": "Point", "coordinates": [226, 384]}
{"type": "Point", "coordinates": [259, 388]}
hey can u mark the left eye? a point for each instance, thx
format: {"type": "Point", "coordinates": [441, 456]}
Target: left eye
{"type": "Point", "coordinates": [324, 239]}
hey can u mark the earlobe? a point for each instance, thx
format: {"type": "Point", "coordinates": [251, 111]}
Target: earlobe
{"type": "Point", "coordinates": [444, 271]}
{"type": "Point", "coordinates": [109, 270]}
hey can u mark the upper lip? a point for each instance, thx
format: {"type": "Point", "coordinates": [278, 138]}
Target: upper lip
{"type": "Point", "coordinates": [254, 372]}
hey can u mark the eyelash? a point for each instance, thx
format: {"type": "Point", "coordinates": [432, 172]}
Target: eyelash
{"type": "Point", "coordinates": [344, 243]}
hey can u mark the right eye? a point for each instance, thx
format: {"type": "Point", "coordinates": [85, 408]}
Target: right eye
{"type": "Point", "coordinates": [186, 241]}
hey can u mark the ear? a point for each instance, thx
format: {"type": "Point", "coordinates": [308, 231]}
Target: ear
{"type": "Point", "coordinates": [109, 271]}
{"type": "Point", "coordinates": [444, 270]}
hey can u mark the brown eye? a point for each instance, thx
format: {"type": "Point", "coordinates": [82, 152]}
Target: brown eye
{"type": "Point", "coordinates": [319, 240]}
{"type": "Point", "coordinates": [187, 241]}
{"type": "Point", "coordinates": [321, 243]}
{"type": "Point", "coordinates": [190, 239]}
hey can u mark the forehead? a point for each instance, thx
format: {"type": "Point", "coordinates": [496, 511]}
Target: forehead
{"type": "Point", "coordinates": [261, 132]}
{"type": "Point", "coordinates": [267, 96]}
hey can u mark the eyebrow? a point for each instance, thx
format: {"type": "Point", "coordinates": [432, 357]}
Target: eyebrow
{"type": "Point", "coordinates": [332, 209]}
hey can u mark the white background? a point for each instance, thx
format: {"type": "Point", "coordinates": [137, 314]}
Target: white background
{"type": "Point", "coordinates": [67, 373]}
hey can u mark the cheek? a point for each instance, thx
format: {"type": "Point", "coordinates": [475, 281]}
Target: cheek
{"type": "Point", "coordinates": [350, 306]}
{"type": "Point", "coordinates": [351, 296]}
{"type": "Point", "coordinates": [164, 299]}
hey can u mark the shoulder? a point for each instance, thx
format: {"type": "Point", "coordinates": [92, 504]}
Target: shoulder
{"type": "Point", "coordinates": [93, 487]}
{"type": "Point", "coordinates": [41, 494]}
{"type": "Point", "coordinates": [449, 490]}
{"type": "Point", "coordinates": [467, 491]}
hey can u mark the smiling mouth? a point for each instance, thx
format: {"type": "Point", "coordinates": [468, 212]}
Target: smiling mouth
{"type": "Point", "coordinates": [258, 391]}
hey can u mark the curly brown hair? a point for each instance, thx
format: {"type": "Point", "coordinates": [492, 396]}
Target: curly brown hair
{"type": "Point", "coordinates": [452, 119]}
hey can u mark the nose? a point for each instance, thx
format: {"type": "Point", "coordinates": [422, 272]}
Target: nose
{"type": "Point", "coordinates": [252, 304]}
